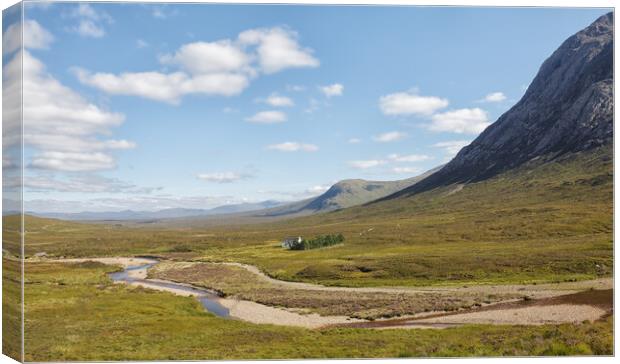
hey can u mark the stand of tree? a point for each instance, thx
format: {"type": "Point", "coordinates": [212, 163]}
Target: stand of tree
{"type": "Point", "coordinates": [320, 241]}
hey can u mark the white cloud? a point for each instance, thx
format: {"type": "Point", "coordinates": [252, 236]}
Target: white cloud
{"type": "Point", "coordinates": [408, 103]}
{"type": "Point", "coordinates": [494, 97]}
{"type": "Point", "coordinates": [296, 195]}
{"type": "Point", "coordinates": [276, 100]}
{"type": "Point", "coordinates": [164, 87]}
{"type": "Point", "coordinates": [461, 121]}
{"type": "Point", "coordinates": [267, 117]}
{"type": "Point", "coordinates": [86, 11]}
{"type": "Point", "coordinates": [11, 116]}
{"type": "Point", "coordinates": [452, 147]}
{"type": "Point", "coordinates": [355, 141]}
{"type": "Point", "coordinates": [229, 110]}
{"type": "Point", "coordinates": [88, 28]}
{"type": "Point", "coordinates": [392, 158]}
{"type": "Point", "coordinates": [89, 21]}
{"type": "Point", "coordinates": [222, 68]}
{"type": "Point", "coordinates": [293, 147]}
{"type": "Point", "coordinates": [140, 43]}
{"type": "Point", "coordinates": [35, 37]}
{"type": "Point", "coordinates": [409, 158]}
{"type": "Point", "coordinates": [152, 202]}
{"type": "Point", "coordinates": [406, 170]}
{"type": "Point", "coordinates": [277, 49]}
{"type": "Point", "coordinates": [391, 136]}
{"type": "Point", "coordinates": [295, 88]}
{"type": "Point", "coordinates": [69, 143]}
{"type": "Point", "coordinates": [313, 105]}
{"type": "Point", "coordinates": [62, 126]}
{"type": "Point", "coordinates": [73, 162]}
{"type": "Point", "coordinates": [223, 177]}
{"type": "Point", "coordinates": [7, 162]}
{"type": "Point", "coordinates": [161, 12]}
{"type": "Point", "coordinates": [365, 164]}
{"type": "Point", "coordinates": [83, 183]}
{"type": "Point", "coordinates": [209, 57]}
{"type": "Point", "coordinates": [316, 190]}
{"type": "Point", "coordinates": [332, 90]}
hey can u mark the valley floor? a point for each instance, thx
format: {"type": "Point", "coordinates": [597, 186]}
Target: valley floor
{"type": "Point", "coordinates": [508, 304]}
{"type": "Point", "coordinates": [119, 322]}
{"type": "Point", "coordinates": [532, 246]}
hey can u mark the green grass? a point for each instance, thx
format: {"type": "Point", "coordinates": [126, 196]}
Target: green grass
{"type": "Point", "coordinates": [75, 313]}
{"type": "Point", "coordinates": [11, 307]}
{"type": "Point", "coordinates": [540, 223]}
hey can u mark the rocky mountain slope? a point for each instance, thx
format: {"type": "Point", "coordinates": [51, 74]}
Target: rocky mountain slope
{"type": "Point", "coordinates": [567, 108]}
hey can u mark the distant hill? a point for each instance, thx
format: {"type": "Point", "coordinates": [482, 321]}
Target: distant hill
{"type": "Point", "coordinates": [346, 193]}
{"type": "Point", "coordinates": [567, 108]}
{"type": "Point", "coordinates": [173, 213]}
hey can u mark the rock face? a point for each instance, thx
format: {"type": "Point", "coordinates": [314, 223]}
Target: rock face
{"type": "Point", "coordinates": [567, 108]}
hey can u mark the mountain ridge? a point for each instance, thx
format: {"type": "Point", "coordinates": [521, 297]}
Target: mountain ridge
{"type": "Point", "coordinates": [170, 213]}
{"type": "Point", "coordinates": [347, 193]}
{"type": "Point", "coordinates": [567, 108]}
{"type": "Point", "coordinates": [342, 194]}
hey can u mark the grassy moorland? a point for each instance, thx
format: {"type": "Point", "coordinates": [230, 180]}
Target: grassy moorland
{"type": "Point", "coordinates": [11, 307]}
{"type": "Point", "coordinates": [117, 322]}
{"type": "Point", "coordinates": [543, 222]}
{"type": "Point", "coordinates": [11, 287]}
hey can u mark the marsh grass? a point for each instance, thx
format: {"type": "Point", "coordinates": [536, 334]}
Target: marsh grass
{"type": "Point", "coordinates": [75, 313]}
{"type": "Point", "coordinates": [242, 284]}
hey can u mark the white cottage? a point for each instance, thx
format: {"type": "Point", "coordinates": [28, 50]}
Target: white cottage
{"type": "Point", "coordinates": [289, 241]}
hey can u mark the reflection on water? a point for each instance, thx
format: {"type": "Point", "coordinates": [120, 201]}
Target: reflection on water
{"type": "Point", "coordinates": [208, 299]}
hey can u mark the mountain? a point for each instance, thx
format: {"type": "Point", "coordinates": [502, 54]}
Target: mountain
{"type": "Point", "coordinates": [531, 198]}
{"type": "Point", "coordinates": [244, 207]}
{"type": "Point", "coordinates": [171, 213]}
{"type": "Point", "coordinates": [567, 108]}
{"type": "Point", "coordinates": [340, 196]}
{"type": "Point", "coordinates": [346, 193]}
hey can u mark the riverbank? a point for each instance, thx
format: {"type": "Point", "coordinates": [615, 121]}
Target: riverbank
{"type": "Point", "coordinates": [369, 303]}
{"type": "Point", "coordinates": [136, 268]}
{"type": "Point", "coordinates": [144, 324]}
{"type": "Point", "coordinates": [503, 311]}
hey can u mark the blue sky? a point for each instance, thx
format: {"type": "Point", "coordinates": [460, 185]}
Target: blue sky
{"type": "Point", "coordinates": [155, 106]}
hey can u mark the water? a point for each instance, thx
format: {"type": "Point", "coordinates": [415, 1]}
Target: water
{"type": "Point", "coordinates": [208, 299]}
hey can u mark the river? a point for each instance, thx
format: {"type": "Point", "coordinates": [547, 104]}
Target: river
{"type": "Point", "coordinates": [208, 299]}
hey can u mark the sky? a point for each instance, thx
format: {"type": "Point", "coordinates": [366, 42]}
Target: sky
{"type": "Point", "coordinates": [154, 106]}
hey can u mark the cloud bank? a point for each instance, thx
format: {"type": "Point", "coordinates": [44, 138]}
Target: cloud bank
{"type": "Point", "coordinates": [220, 68]}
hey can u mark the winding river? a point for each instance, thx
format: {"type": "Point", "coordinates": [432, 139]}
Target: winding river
{"type": "Point", "coordinates": [208, 299]}
{"type": "Point", "coordinates": [553, 305]}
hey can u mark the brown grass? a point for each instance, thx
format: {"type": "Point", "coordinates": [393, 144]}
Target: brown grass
{"type": "Point", "coordinates": [239, 283]}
